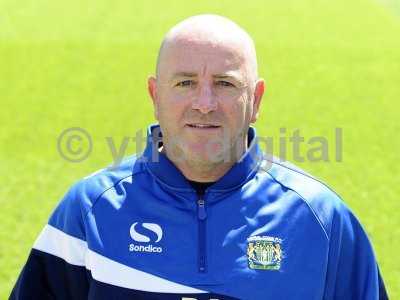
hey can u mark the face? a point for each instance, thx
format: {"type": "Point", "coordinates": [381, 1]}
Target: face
{"type": "Point", "coordinates": [204, 99]}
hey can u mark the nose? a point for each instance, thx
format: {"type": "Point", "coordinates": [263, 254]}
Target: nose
{"type": "Point", "coordinates": [205, 101]}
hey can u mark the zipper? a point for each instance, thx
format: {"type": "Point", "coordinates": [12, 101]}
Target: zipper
{"type": "Point", "coordinates": [201, 217]}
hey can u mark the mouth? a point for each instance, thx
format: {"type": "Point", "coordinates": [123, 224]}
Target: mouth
{"type": "Point", "coordinates": [202, 126]}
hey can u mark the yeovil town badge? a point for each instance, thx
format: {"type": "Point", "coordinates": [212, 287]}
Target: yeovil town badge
{"type": "Point", "coordinates": [264, 252]}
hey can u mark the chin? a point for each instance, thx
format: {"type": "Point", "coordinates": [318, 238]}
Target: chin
{"type": "Point", "coordinates": [203, 155]}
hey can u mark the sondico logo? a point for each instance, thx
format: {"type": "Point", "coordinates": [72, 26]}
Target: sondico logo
{"type": "Point", "coordinates": [141, 238]}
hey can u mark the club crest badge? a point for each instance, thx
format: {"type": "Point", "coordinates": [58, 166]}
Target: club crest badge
{"type": "Point", "coordinates": [264, 252]}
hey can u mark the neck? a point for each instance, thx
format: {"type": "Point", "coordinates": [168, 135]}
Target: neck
{"type": "Point", "coordinates": [203, 172]}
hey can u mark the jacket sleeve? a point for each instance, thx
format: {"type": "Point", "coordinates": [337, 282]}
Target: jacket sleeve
{"type": "Point", "coordinates": [55, 268]}
{"type": "Point", "coordinates": [353, 272]}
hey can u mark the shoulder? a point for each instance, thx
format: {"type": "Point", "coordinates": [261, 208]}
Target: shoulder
{"type": "Point", "coordinates": [94, 185]}
{"type": "Point", "coordinates": [82, 196]}
{"type": "Point", "coordinates": [326, 205]}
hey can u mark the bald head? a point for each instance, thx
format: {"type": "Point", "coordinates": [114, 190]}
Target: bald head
{"type": "Point", "coordinates": [212, 32]}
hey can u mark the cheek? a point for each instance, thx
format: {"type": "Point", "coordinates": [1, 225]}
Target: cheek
{"type": "Point", "coordinates": [171, 110]}
{"type": "Point", "coordinates": [237, 112]}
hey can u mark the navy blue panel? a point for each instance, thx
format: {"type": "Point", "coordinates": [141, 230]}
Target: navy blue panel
{"type": "Point", "coordinates": [102, 291]}
{"type": "Point", "coordinates": [382, 289]}
{"type": "Point", "coordinates": [45, 276]}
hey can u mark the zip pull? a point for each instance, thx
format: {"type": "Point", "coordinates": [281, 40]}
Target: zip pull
{"type": "Point", "coordinates": [201, 209]}
{"type": "Point", "coordinates": [202, 215]}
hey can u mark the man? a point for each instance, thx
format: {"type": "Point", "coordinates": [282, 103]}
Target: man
{"type": "Point", "coordinates": [202, 214]}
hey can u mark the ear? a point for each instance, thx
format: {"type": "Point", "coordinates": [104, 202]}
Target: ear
{"type": "Point", "coordinates": [258, 94]}
{"type": "Point", "coordinates": [152, 89]}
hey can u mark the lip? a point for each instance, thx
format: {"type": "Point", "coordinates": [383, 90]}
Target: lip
{"type": "Point", "coordinates": [202, 126]}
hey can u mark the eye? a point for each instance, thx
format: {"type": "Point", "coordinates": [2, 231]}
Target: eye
{"type": "Point", "coordinates": [224, 83]}
{"type": "Point", "coordinates": [185, 83]}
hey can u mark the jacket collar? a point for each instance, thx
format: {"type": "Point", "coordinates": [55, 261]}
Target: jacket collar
{"type": "Point", "coordinates": [165, 171]}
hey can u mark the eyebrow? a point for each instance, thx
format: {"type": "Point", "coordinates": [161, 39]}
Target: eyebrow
{"type": "Point", "coordinates": [228, 75]}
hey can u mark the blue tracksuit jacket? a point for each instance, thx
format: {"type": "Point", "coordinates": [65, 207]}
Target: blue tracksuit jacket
{"type": "Point", "coordinates": [263, 231]}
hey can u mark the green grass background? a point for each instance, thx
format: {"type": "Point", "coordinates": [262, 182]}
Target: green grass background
{"type": "Point", "coordinates": [84, 63]}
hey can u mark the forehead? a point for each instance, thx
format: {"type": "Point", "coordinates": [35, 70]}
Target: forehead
{"type": "Point", "coordinates": [202, 58]}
